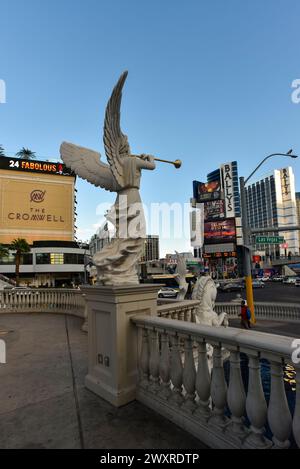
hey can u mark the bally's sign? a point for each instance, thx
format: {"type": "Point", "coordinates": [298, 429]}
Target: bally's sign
{"type": "Point", "coordinates": [228, 189]}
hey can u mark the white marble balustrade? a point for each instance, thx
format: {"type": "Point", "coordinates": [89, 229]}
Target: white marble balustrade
{"type": "Point", "coordinates": [272, 311]}
{"type": "Point", "coordinates": [175, 381]}
{"type": "Point", "coordinates": [48, 300]}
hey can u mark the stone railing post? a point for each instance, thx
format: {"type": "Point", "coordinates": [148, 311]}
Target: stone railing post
{"type": "Point", "coordinates": [279, 416]}
{"type": "Point", "coordinates": [218, 389]}
{"type": "Point", "coordinates": [176, 371]}
{"type": "Point", "coordinates": [236, 397]}
{"type": "Point", "coordinates": [189, 376]}
{"type": "Point", "coordinates": [203, 383]}
{"type": "Point", "coordinates": [296, 420]}
{"type": "Point", "coordinates": [256, 406]}
{"type": "Point", "coordinates": [84, 326]}
{"type": "Point", "coordinates": [113, 338]}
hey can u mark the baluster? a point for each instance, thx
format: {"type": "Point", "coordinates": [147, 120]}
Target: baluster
{"type": "Point", "coordinates": [181, 315]}
{"type": "Point", "coordinates": [218, 388]}
{"type": "Point", "coordinates": [203, 383]}
{"type": "Point", "coordinates": [27, 295]}
{"type": "Point", "coordinates": [189, 376]}
{"type": "Point", "coordinates": [144, 359]}
{"type": "Point", "coordinates": [164, 366]}
{"type": "Point", "coordinates": [56, 302]}
{"type": "Point", "coordinates": [296, 421]}
{"type": "Point", "coordinates": [154, 362]}
{"type": "Point", "coordinates": [279, 415]}
{"type": "Point", "coordinates": [176, 371]}
{"type": "Point", "coordinates": [256, 407]}
{"type": "Point", "coordinates": [47, 302]}
{"type": "Point", "coordinates": [236, 397]}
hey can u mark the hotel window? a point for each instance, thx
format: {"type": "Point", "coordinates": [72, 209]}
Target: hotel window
{"type": "Point", "coordinates": [56, 258]}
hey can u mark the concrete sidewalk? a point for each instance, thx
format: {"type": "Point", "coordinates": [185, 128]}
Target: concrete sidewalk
{"type": "Point", "coordinates": [43, 401]}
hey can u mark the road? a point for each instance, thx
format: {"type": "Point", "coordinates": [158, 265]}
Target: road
{"type": "Point", "coordinates": [273, 292]}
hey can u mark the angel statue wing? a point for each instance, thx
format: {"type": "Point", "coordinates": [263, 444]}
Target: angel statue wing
{"type": "Point", "coordinates": [87, 165]}
{"type": "Point", "coordinates": [115, 142]}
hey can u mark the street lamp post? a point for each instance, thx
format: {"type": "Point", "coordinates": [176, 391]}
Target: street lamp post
{"type": "Point", "coordinates": [247, 233]}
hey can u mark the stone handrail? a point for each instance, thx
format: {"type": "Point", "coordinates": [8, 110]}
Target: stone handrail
{"type": "Point", "coordinates": [276, 311]}
{"type": "Point", "coordinates": [48, 300]}
{"type": "Point", "coordinates": [185, 310]}
{"type": "Point", "coordinates": [175, 381]}
{"type": "Point", "coordinates": [181, 310]}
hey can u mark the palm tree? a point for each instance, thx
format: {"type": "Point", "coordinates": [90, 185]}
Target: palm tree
{"type": "Point", "coordinates": [3, 251]}
{"type": "Point", "coordinates": [21, 246]}
{"type": "Point", "coordinates": [2, 152]}
{"type": "Point", "coordinates": [26, 154]}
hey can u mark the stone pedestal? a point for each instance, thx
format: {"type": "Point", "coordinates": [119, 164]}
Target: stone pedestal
{"type": "Point", "coordinates": [112, 338]}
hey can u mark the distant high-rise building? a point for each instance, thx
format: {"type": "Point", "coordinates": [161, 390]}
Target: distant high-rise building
{"type": "Point", "coordinates": [271, 202]}
{"type": "Point", "coordinates": [151, 249]}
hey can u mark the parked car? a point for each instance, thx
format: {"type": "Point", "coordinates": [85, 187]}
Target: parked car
{"type": "Point", "coordinates": [264, 279]}
{"type": "Point", "coordinates": [167, 292]}
{"type": "Point", "coordinates": [256, 283]}
{"type": "Point", "coordinates": [297, 283]}
{"type": "Point", "coordinates": [277, 278]}
{"type": "Point", "coordinates": [289, 280]}
{"type": "Point", "coordinates": [229, 287]}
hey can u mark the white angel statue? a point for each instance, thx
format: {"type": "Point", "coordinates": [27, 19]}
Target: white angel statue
{"type": "Point", "coordinates": [180, 276]}
{"type": "Point", "coordinates": [116, 263]}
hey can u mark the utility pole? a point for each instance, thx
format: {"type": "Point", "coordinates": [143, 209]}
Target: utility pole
{"type": "Point", "coordinates": [247, 251]}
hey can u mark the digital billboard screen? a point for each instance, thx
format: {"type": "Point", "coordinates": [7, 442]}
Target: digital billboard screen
{"type": "Point", "coordinates": [205, 192]}
{"type": "Point", "coordinates": [214, 210]}
{"type": "Point", "coordinates": [34, 166]}
{"type": "Point", "coordinates": [221, 231]}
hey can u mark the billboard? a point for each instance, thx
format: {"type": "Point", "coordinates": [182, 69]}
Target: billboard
{"type": "Point", "coordinates": [221, 231]}
{"type": "Point", "coordinates": [38, 167]}
{"type": "Point", "coordinates": [214, 210]}
{"type": "Point", "coordinates": [206, 192]}
{"type": "Point", "coordinates": [36, 207]}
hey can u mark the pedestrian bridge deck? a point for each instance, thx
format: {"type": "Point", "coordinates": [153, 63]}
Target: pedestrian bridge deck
{"type": "Point", "coordinates": [44, 403]}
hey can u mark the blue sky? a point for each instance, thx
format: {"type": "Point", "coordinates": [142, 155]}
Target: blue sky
{"type": "Point", "coordinates": [209, 82]}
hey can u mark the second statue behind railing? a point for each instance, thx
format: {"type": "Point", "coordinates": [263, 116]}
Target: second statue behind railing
{"type": "Point", "coordinates": [116, 262]}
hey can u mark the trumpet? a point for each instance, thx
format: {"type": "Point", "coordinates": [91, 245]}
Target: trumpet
{"type": "Point", "coordinates": [176, 163]}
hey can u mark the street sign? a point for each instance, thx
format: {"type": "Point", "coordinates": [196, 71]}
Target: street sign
{"type": "Point", "coordinates": [269, 240]}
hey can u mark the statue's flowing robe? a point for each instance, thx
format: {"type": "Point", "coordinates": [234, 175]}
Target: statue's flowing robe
{"type": "Point", "coordinates": [116, 262]}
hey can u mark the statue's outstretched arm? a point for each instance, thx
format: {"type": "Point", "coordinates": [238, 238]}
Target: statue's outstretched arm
{"type": "Point", "coordinates": [146, 162]}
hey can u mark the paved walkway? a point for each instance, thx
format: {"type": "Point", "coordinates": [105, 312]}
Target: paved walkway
{"type": "Point", "coordinates": [43, 401]}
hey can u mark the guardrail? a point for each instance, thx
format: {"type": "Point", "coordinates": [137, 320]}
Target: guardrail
{"type": "Point", "coordinates": [48, 300]}
{"type": "Point", "coordinates": [175, 381]}
{"type": "Point", "coordinates": [273, 311]}
{"type": "Point", "coordinates": [185, 310]}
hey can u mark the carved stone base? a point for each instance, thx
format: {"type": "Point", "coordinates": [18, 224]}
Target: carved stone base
{"type": "Point", "coordinates": [112, 339]}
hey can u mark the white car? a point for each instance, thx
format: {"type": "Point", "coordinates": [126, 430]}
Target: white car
{"type": "Point", "coordinates": [289, 280]}
{"type": "Point", "coordinates": [264, 279]}
{"type": "Point", "coordinates": [167, 292]}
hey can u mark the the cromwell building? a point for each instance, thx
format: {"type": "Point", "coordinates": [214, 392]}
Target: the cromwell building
{"type": "Point", "coordinates": [37, 203]}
